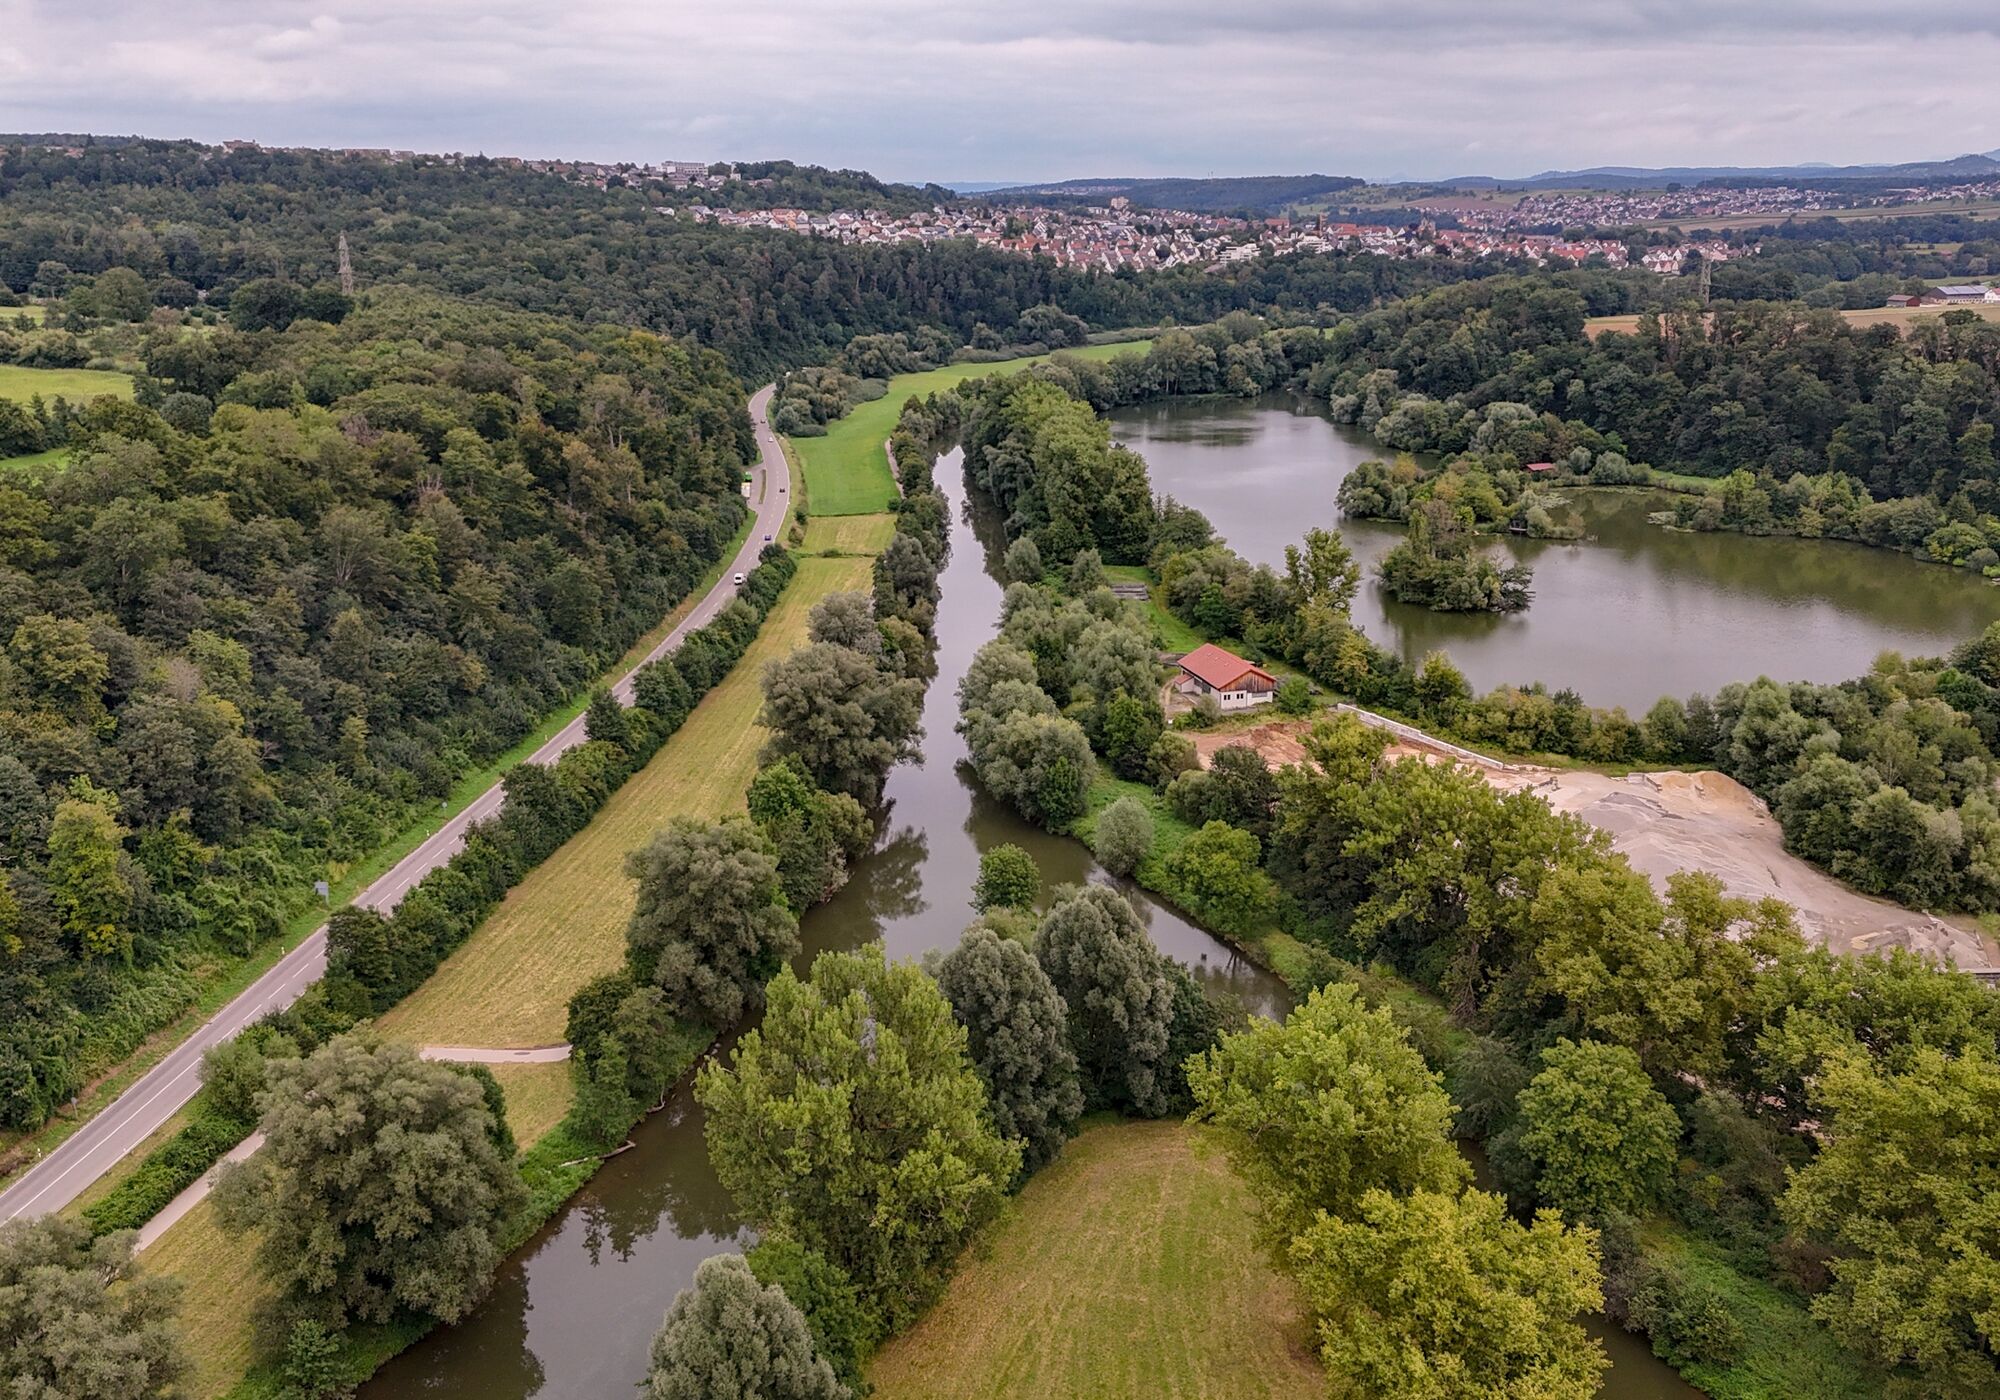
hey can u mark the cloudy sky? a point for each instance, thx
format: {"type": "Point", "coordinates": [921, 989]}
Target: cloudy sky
{"type": "Point", "coordinates": [1041, 89]}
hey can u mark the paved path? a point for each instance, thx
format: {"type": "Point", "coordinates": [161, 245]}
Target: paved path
{"type": "Point", "coordinates": [157, 1095]}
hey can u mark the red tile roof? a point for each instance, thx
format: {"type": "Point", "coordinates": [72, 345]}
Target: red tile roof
{"type": "Point", "coordinates": [1219, 669]}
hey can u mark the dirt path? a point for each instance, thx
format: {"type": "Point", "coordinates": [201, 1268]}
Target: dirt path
{"type": "Point", "coordinates": [1664, 822]}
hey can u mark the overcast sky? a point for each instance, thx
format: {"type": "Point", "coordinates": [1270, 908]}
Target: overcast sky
{"type": "Point", "coordinates": [1032, 89]}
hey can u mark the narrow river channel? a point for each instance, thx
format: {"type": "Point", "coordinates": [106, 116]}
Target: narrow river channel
{"type": "Point", "coordinates": [1631, 613]}
{"type": "Point", "coordinates": [572, 1313]}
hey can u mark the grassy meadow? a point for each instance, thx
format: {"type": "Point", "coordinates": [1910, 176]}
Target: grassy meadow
{"type": "Point", "coordinates": [847, 471]}
{"type": "Point", "coordinates": [1125, 1269]}
{"type": "Point", "coordinates": [76, 385]}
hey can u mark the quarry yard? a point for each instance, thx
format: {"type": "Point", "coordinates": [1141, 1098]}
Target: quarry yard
{"type": "Point", "coordinates": [1668, 821]}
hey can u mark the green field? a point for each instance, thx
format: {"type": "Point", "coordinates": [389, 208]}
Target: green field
{"type": "Point", "coordinates": [1125, 1269]}
{"type": "Point", "coordinates": [847, 471]}
{"type": "Point", "coordinates": [848, 534]}
{"type": "Point", "coordinates": [1902, 317]}
{"type": "Point", "coordinates": [76, 385]}
{"type": "Point", "coordinates": [49, 458]}
{"type": "Point", "coordinates": [10, 315]}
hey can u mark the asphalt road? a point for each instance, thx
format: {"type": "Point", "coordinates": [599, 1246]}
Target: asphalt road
{"type": "Point", "coordinates": [157, 1095]}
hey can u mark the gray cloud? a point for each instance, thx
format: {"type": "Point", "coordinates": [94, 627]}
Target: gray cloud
{"type": "Point", "coordinates": [945, 89]}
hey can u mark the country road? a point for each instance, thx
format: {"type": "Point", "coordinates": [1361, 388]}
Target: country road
{"type": "Point", "coordinates": [158, 1094]}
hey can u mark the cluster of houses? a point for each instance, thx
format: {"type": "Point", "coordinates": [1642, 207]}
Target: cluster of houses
{"type": "Point", "coordinates": [1116, 236]}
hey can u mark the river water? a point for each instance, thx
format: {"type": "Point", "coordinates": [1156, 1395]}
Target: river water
{"type": "Point", "coordinates": [573, 1311]}
{"type": "Point", "coordinates": [1629, 614]}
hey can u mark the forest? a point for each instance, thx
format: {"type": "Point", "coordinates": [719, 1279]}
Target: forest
{"type": "Point", "coordinates": [277, 607]}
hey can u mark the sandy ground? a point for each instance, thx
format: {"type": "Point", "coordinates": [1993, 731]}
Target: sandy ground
{"type": "Point", "coordinates": [1664, 822]}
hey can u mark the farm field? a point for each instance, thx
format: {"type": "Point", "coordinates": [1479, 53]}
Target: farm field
{"type": "Point", "coordinates": [849, 534]}
{"type": "Point", "coordinates": [847, 471]}
{"type": "Point", "coordinates": [1125, 1269]}
{"type": "Point", "coordinates": [1980, 209]}
{"type": "Point", "coordinates": [75, 385]}
{"type": "Point", "coordinates": [565, 923]}
{"type": "Point", "coordinates": [1866, 316]}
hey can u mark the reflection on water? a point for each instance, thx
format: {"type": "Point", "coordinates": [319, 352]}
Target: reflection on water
{"type": "Point", "coordinates": [574, 1311]}
{"type": "Point", "coordinates": [1630, 614]}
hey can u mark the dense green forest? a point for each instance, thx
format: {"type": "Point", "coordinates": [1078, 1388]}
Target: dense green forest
{"type": "Point", "coordinates": [191, 220]}
{"type": "Point", "coordinates": [274, 609]}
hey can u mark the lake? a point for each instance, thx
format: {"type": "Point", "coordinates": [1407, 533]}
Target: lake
{"type": "Point", "coordinates": [1629, 614]}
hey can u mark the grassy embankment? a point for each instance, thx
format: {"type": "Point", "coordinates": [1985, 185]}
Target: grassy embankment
{"type": "Point", "coordinates": [511, 981]}
{"type": "Point", "coordinates": [222, 976]}
{"type": "Point", "coordinates": [847, 473]}
{"type": "Point", "coordinates": [1126, 1268]}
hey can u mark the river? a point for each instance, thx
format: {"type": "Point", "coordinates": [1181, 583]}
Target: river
{"type": "Point", "coordinates": [573, 1311]}
{"type": "Point", "coordinates": [1629, 614]}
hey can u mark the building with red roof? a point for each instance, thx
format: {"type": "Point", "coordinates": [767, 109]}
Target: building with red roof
{"type": "Point", "coordinates": [1235, 683]}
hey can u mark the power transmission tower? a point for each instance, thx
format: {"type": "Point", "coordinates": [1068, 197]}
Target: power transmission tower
{"type": "Point", "coordinates": [347, 270]}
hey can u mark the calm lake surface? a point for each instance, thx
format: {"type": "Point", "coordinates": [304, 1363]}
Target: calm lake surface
{"type": "Point", "coordinates": [573, 1312]}
{"type": "Point", "coordinates": [1631, 613]}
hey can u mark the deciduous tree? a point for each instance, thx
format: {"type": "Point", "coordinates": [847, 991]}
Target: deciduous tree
{"type": "Point", "coordinates": [729, 1337]}
{"type": "Point", "coordinates": [1017, 1033]}
{"type": "Point", "coordinates": [711, 926]}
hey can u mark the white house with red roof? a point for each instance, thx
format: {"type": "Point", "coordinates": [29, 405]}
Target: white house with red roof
{"type": "Point", "coordinates": [1235, 683]}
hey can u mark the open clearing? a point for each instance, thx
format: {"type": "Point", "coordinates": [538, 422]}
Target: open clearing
{"type": "Point", "coordinates": [1668, 821]}
{"type": "Point", "coordinates": [1903, 316]}
{"type": "Point", "coordinates": [1125, 1269]}
{"type": "Point", "coordinates": [538, 1096]}
{"type": "Point", "coordinates": [848, 534]}
{"type": "Point", "coordinates": [847, 471]}
{"type": "Point", "coordinates": [565, 923]}
{"type": "Point", "coordinates": [76, 385]}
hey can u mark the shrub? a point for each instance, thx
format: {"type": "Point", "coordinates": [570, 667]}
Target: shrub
{"type": "Point", "coordinates": [1124, 835]}
{"type": "Point", "coordinates": [1687, 1319]}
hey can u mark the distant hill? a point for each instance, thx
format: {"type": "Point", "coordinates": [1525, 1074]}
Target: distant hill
{"type": "Point", "coordinates": [1247, 194]}
{"type": "Point", "coordinates": [1638, 177]}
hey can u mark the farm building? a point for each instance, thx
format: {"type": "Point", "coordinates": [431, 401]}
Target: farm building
{"type": "Point", "coordinates": [1235, 683]}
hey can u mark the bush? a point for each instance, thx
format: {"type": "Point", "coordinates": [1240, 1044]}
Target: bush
{"type": "Point", "coordinates": [1008, 879]}
{"type": "Point", "coordinates": [1688, 1320]}
{"type": "Point", "coordinates": [1124, 835]}
{"type": "Point", "coordinates": [1295, 695]}
{"type": "Point", "coordinates": [844, 1329]}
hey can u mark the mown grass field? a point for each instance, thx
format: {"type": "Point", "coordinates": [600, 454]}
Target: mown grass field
{"type": "Point", "coordinates": [847, 471]}
{"type": "Point", "coordinates": [1126, 1269]}
{"type": "Point", "coordinates": [221, 1291]}
{"type": "Point", "coordinates": [849, 534]}
{"type": "Point", "coordinates": [76, 385]}
{"type": "Point", "coordinates": [537, 1097]}
{"type": "Point", "coordinates": [511, 982]}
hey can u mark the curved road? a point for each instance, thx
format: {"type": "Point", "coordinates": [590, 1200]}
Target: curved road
{"type": "Point", "coordinates": [157, 1095]}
